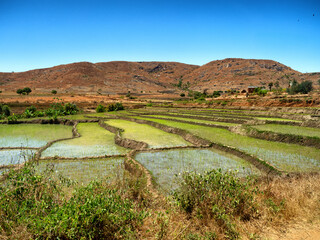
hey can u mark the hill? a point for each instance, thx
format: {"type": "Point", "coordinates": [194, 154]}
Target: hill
{"type": "Point", "coordinates": [150, 77]}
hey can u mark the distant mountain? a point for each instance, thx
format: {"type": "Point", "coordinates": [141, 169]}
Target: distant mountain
{"type": "Point", "coordinates": [151, 77]}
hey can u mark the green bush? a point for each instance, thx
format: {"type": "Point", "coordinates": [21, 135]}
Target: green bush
{"type": "Point", "coordinates": [54, 91]}
{"type": "Point", "coordinates": [100, 108]}
{"type": "Point", "coordinates": [115, 107]}
{"type": "Point", "coordinates": [182, 95]}
{"type": "Point", "coordinates": [5, 110]}
{"type": "Point", "coordinates": [38, 202]}
{"type": "Point", "coordinates": [217, 195]}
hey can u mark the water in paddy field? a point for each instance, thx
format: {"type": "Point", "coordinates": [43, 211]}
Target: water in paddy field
{"type": "Point", "coordinates": [165, 166]}
{"type": "Point", "coordinates": [94, 141]}
{"type": "Point", "coordinates": [8, 157]}
{"type": "Point", "coordinates": [32, 135]}
{"type": "Point", "coordinates": [84, 171]}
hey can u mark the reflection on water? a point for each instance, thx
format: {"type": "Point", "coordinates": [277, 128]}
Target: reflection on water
{"type": "Point", "coordinates": [84, 171]}
{"type": "Point", "coordinates": [165, 165]}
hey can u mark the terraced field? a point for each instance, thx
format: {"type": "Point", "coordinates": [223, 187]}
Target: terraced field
{"type": "Point", "coordinates": [287, 157]}
{"type": "Point", "coordinates": [32, 135]}
{"type": "Point", "coordinates": [194, 120]}
{"type": "Point", "coordinates": [154, 137]}
{"type": "Point", "coordinates": [166, 165]}
{"type": "Point", "coordinates": [84, 171]}
{"type": "Point", "coordinates": [8, 157]}
{"type": "Point", "coordinates": [287, 129]}
{"type": "Point", "coordinates": [94, 141]}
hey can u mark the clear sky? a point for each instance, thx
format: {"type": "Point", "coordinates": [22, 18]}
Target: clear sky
{"type": "Point", "coordinates": [44, 33]}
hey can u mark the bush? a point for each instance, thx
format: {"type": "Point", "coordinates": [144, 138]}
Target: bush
{"type": "Point", "coordinates": [5, 110]}
{"type": "Point", "coordinates": [31, 109]}
{"type": "Point", "coordinates": [100, 108]}
{"type": "Point", "coordinates": [27, 90]}
{"type": "Point", "coordinates": [262, 92]}
{"type": "Point", "coordinates": [217, 195]}
{"type": "Point", "coordinates": [54, 91]}
{"type": "Point", "coordinates": [182, 95]}
{"type": "Point", "coordinates": [37, 202]}
{"type": "Point", "coordinates": [115, 107]}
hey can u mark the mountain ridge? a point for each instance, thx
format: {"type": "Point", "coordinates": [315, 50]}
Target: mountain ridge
{"type": "Point", "coordinates": [150, 77]}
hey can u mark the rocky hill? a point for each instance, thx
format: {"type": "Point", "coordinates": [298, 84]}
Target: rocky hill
{"type": "Point", "coordinates": [151, 77]}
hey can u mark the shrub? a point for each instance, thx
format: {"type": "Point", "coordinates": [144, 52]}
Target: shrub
{"type": "Point", "coordinates": [262, 92]}
{"type": "Point", "coordinates": [182, 94]}
{"type": "Point", "coordinates": [20, 91]}
{"type": "Point", "coordinates": [54, 91]}
{"type": "Point", "coordinates": [27, 90]}
{"type": "Point", "coordinates": [31, 109]}
{"type": "Point", "coordinates": [115, 107]}
{"type": "Point", "coordinates": [100, 108]}
{"type": "Point", "coordinates": [70, 109]}
{"type": "Point", "coordinates": [217, 195]}
{"type": "Point", "coordinates": [37, 201]}
{"type": "Point", "coordinates": [5, 110]}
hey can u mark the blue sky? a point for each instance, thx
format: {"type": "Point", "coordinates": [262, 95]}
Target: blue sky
{"type": "Point", "coordinates": [44, 33]}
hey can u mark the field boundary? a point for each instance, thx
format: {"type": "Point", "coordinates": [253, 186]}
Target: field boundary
{"type": "Point", "coordinates": [282, 137]}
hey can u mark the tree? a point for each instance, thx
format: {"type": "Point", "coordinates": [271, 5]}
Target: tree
{"type": "Point", "coordinates": [100, 108]}
{"type": "Point", "coordinates": [27, 90]}
{"type": "Point", "coordinates": [6, 110]}
{"type": "Point", "coordinates": [305, 87]}
{"type": "Point", "coordinates": [19, 91]}
{"type": "Point", "coordinates": [277, 84]}
{"type": "Point", "coordinates": [270, 85]}
{"type": "Point", "coordinates": [182, 95]}
{"type": "Point", "coordinates": [54, 91]}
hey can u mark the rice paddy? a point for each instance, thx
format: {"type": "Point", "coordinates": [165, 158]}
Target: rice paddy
{"type": "Point", "coordinates": [94, 141]}
{"type": "Point", "coordinates": [287, 157]}
{"type": "Point", "coordinates": [287, 129]}
{"type": "Point", "coordinates": [166, 165]}
{"type": "Point", "coordinates": [8, 157]}
{"type": "Point", "coordinates": [32, 135]}
{"type": "Point", "coordinates": [84, 171]}
{"type": "Point", "coordinates": [194, 120]}
{"type": "Point", "coordinates": [154, 137]}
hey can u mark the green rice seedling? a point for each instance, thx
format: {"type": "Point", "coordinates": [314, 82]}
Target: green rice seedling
{"type": "Point", "coordinates": [287, 129]}
{"type": "Point", "coordinates": [195, 120]}
{"type": "Point", "coordinates": [165, 165]}
{"type": "Point", "coordinates": [32, 135]}
{"type": "Point", "coordinates": [287, 157]}
{"type": "Point", "coordinates": [84, 171]}
{"type": "Point", "coordinates": [154, 137]}
{"type": "Point", "coordinates": [94, 141]}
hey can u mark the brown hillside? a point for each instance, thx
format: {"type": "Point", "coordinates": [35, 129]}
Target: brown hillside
{"type": "Point", "coordinates": [151, 77]}
{"type": "Point", "coordinates": [235, 73]}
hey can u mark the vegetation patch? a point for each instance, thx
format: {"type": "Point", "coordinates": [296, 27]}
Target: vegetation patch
{"type": "Point", "coordinates": [34, 206]}
{"type": "Point", "coordinates": [287, 157]}
{"type": "Point", "coordinates": [94, 141]}
{"type": "Point", "coordinates": [32, 135]}
{"type": "Point", "coordinates": [84, 171]}
{"type": "Point", "coordinates": [286, 129]}
{"type": "Point", "coordinates": [166, 165]}
{"type": "Point", "coordinates": [195, 120]}
{"type": "Point", "coordinates": [154, 137]}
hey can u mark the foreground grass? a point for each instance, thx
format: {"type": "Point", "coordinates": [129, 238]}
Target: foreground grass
{"type": "Point", "coordinates": [287, 157]}
{"type": "Point", "coordinates": [212, 205]}
{"type": "Point", "coordinates": [34, 206]}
